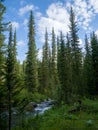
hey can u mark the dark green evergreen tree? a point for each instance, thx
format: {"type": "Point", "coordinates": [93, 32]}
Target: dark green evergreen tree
{"type": "Point", "coordinates": [58, 88]}
{"type": "Point", "coordinates": [76, 56]}
{"type": "Point", "coordinates": [50, 63]}
{"type": "Point", "coordinates": [94, 49]}
{"type": "Point", "coordinates": [12, 74]}
{"type": "Point", "coordinates": [68, 70]}
{"type": "Point", "coordinates": [18, 79]}
{"type": "Point", "coordinates": [54, 75]}
{"type": "Point", "coordinates": [62, 68]}
{"type": "Point", "coordinates": [14, 47]}
{"type": "Point", "coordinates": [58, 54]}
{"type": "Point", "coordinates": [3, 88]}
{"type": "Point", "coordinates": [31, 63]}
{"type": "Point", "coordinates": [53, 54]}
{"type": "Point", "coordinates": [2, 60]}
{"type": "Point", "coordinates": [87, 68]}
{"type": "Point", "coordinates": [45, 66]}
{"type": "Point", "coordinates": [10, 69]}
{"type": "Point", "coordinates": [40, 88]}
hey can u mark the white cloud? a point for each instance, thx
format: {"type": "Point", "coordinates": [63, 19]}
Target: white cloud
{"type": "Point", "coordinates": [96, 33]}
{"type": "Point", "coordinates": [15, 24]}
{"type": "Point", "coordinates": [84, 13]}
{"type": "Point", "coordinates": [20, 43]}
{"type": "Point", "coordinates": [94, 5]}
{"type": "Point", "coordinates": [25, 22]}
{"type": "Point", "coordinates": [68, 5]}
{"type": "Point", "coordinates": [38, 14]}
{"type": "Point", "coordinates": [57, 17]}
{"type": "Point", "coordinates": [26, 9]}
{"type": "Point", "coordinates": [57, 11]}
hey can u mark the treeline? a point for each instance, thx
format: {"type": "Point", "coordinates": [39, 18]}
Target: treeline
{"type": "Point", "coordinates": [64, 73]}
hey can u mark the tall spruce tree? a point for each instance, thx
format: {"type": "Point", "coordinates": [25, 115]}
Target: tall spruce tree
{"type": "Point", "coordinates": [2, 60]}
{"type": "Point", "coordinates": [50, 63]}
{"type": "Point", "coordinates": [53, 54]}
{"type": "Point", "coordinates": [87, 68]}
{"type": "Point", "coordinates": [31, 63]}
{"type": "Point", "coordinates": [62, 68]}
{"type": "Point", "coordinates": [54, 76]}
{"type": "Point", "coordinates": [40, 88]}
{"type": "Point", "coordinates": [14, 47]}
{"type": "Point", "coordinates": [12, 75]}
{"type": "Point", "coordinates": [76, 55]}
{"type": "Point", "coordinates": [68, 68]}
{"type": "Point", "coordinates": [58, 53]}
{"type": "Point", "coordinates": [17, 79]}
{"type": "Point", "coordinates": [3, 88]}
{"type": "Point", "coordinates": [45, 65]}
{"type": "Point", "coordinates": [10, 69]}
{"type": "Point", "coordinates": [58, 49]}
{"type": "Point", "coordinates": [94, 47]}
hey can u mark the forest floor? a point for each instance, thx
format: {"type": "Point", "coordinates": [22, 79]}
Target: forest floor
{"type": "Point", "coordinates": [59, 118]}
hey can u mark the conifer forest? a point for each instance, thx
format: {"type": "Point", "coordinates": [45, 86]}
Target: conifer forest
{"type": "Point", "coordinates": [66, 76]}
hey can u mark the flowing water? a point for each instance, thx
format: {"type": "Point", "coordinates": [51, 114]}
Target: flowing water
{"type": "Point", "coordinates": [18, 117]}
{"type": "Point", "coordinates": [42, 107]}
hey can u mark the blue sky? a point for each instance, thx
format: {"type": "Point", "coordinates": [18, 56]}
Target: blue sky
{"type": "Point", "coordinates": [49, 13]}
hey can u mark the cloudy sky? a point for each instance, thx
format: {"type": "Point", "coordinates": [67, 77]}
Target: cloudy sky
{"type": "Point", "coordinates": [50, 13]}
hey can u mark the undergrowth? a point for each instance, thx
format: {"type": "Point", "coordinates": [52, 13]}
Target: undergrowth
{"type": "Point", "coordinates": [61, 119]}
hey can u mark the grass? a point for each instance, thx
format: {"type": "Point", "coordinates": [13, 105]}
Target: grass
{"type": "Point", "coordinates": [60, 119]}
{"type": "Point", "coordinates": [90, 105]}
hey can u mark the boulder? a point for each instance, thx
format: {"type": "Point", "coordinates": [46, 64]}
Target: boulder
{"type": "Point", "coordinates": [31, 106]}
